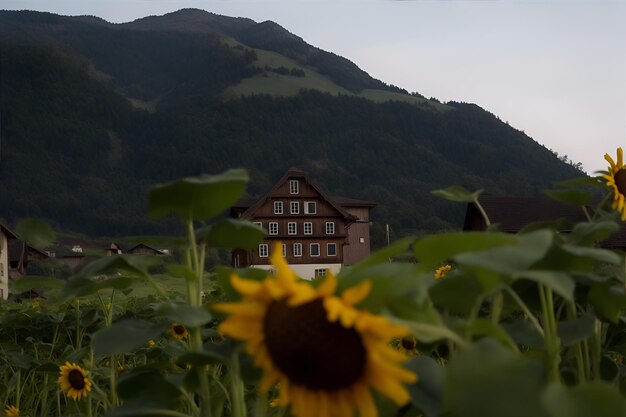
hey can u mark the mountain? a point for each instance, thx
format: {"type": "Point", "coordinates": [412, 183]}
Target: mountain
{"type": "Point", "coordinates": [93, 113]}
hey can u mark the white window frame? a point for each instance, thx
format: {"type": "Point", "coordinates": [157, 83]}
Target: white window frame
{"type": "Point", "coordinates": [278, 207]}
{"type": "Point", "coordinates": [306, 207]}
{"type": "Point", "coordinates": [297, 249]}
{"type": "Point", "coordinates": [330, 228]}
{"type": "Point", "coordinates": [273, 228]}
{"type": "Point", "coordinates": [308, 230]}
{"type": "Point", "coordinates": [284, 250]}
{"type": "Point", "coordinates": [328, 246]}
{"type": "Point", "coordinates": [294, 207]}
{"type": "Point", "coordinates": [264, 250]}
{"type": "Point", "coordinates": [292, 228]}
{"type": "Point", "coordinates": [311, 249]}
{"type": "Point", "coordinates": [294, 187]}
{"type": "Point", "coordinates": [321, 272]}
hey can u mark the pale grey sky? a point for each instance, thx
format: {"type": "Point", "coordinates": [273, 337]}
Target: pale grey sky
{"type": "Point", "coordinates": [555, 69]}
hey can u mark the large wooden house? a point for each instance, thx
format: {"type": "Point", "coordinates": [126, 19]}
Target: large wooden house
{"type": "Point", "coordinates": [317, 232]}
{"type": "Point", "coordinates": [6, 235]}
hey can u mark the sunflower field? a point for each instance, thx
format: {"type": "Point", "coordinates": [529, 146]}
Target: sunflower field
{"type": "Point", "coordinates": [460, 324]}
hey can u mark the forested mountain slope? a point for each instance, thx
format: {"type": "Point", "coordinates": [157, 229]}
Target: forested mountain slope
{"type": "Point", "coordinates": [93, 113]}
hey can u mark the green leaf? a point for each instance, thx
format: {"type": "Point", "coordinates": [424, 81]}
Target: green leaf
{"type": "Point", "coordinates": [129, 264]}
{"type": "Point", "coordinates": [434, 250]}
{"type": "Point", "coordinates": [82, 286]}
{"type": "Point", "coordinates": [198, 198]}
{"type": "Point", "coordinates": [559, 282]}
{"type": "Point", "coordinates": [608, 300]}
{"type": "Point", "coordinates": [457, 293]}
{"type": "Point", "coordinates": [523, 333]}
{"type": "Point", "coordinates": [181, 271]}
{"type": "Point", "coordinates": [427, 393]}
{"type": "Point", "coordinates": [599, 255]}
{"type": "Point", "coordinates": [231, 233]}
{"type": "Point", "coordinates": [590, 232]}
{"type": "Point", "coordinates": [35, 232]}
{"type": "Point", "coordinates": [576, 197]}
{"type": "Point", "coordinates": [459, 194]}
{"type": "Point", "coordinates": [125, 336]}
{"type": "Point", "coordinates": [582, 181]}
{"type": "Point", "coordinates": [389, 282]}
{"type": "Point", "coordinates": [592, 399]}
{"type": "Point", "coordinates": [486, 327]}
{"type": "Point", "coordinates": [489, 380]}
{"type": "Point", "coordinates": [510, 259]}
{"type": "Point", "coordinates": [186, 314]}
{"type": "Point", "coordinates": [145, 387]}
{"type": "Point", "coordinates": [399, 247]}
{"type": "Point", "coordinates": [573, 331]}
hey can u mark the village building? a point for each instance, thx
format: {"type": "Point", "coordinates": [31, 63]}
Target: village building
{"type": "Point", "coordinates": [317, 232]}
{"type": "Point", "coordinates": [6, 235]}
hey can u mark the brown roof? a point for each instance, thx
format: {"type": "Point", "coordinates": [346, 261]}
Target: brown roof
{"type": "Point", "coordinates": [352, 202]}
{"type": "Point", "coordinates": [513, 213]}
{"type": "Point", "coordinates": [8, 232]}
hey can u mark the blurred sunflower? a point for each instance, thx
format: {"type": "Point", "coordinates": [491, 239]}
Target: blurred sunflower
{"type": "Point", "coordinates": [408, 345]}
{"type": "Point", "coordinates": [324, 353]}
{"type": "Point", "coordinates": [12, 411]}
{"type": "Point", "coordinates": [443, 271]}
{"type": "Point", "coordinates": [179, 331]}
{"type": "Point", "coordinates": [616, 180]}
{"type": "Point", "coordinates": [74, 381]}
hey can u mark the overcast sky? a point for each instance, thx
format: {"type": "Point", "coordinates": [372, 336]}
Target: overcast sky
{"type": "Point", "coordinates": [555, 69]}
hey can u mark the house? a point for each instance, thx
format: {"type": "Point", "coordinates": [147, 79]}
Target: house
{"type": "Point", "coordinates": [512, 214]}
{"type": "Point", "coordinates": [143, 249]}
{"type": "Point", "coordinates": [318, 232]}
{"type": "Point", "coordinates": [74, 252]}
{"type": "Point", "coordinates": [6, 235]}
{"type": "Point", "coordinates": [20, 254]}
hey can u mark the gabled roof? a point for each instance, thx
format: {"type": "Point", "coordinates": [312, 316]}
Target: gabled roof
{"type": "Point", "coordinates": [352, 202]}
{"type": "Point", "coordinates": [295, 173]}
{"type": "Point", "coordinates": [7, 232]}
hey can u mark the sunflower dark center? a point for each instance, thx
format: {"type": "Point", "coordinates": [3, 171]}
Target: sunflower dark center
{"type": "Point", "coordinates": [408, 343]}
{"type": "Point", "coordinates": [76, 379]}
{"type": "Point", "coordinates": [179, 329]}
{"type": "Point", "coordinates": [620, 180]}
{"type": "Point", "coordinates": [310, 350]}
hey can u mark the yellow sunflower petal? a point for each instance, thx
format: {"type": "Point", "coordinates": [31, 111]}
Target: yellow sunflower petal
{"type": "Point", "coordinates": [285, 276]}
{"type": "Point", "coordinates": [329, 285]}
{"type": "Point", "coordinates": [245, 286]}
{"type": "Point", "coordinates": [620, 157]}
{"type": "Point", "coordinates": [610, 160]}
{"type": "Point", "coordinates": [242, 308]}
{"type": "Point", "coordinates": [364, 401]}
{"type": "Point", "coordinates": [358, 293]}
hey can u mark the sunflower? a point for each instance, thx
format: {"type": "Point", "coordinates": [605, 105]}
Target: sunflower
{"type": "Point", "coordinates": [616, 180]}
{"type": "Point", "coordinates": [407, 345]}
{"type": "Point", "coordinates": [74, 381]}
{"type": "Point", "coordinates": [12, 411]}
{"type": "Point", "coordinates": [151, 343]}
{"type": "Point", "coordinates": [179, 331]}
{"type": "Point", "coordinates": [324, 353]}
{"type": "Point", "coordinates": [443, 271]}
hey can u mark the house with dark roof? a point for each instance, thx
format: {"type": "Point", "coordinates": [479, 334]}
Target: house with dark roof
{"type": "Point", "coordinates": [512, 214]}
{"type": "Point", "coordinates": [6, 236]}
{"type": "Point", "coordinates": [318, 232]}
{"type": "Point", "coordinates": [20, 254]}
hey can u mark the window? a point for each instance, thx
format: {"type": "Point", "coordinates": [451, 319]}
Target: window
{"type": "Point", "coordinates": [294, 187]}
{"type": "Point", "coordinates": [331, 249]}
{"type": "Point", "coordinates": [330, 228]}
{"type": "Point", "coordinates": [284, 250]}
{"type": "Point", "coordinates": [273, 228]}
{"type": "Point", "coordinates": [297, 249]}
{"type": "Point", "coordinates": [263, 250]}
{"type": "Point", "coordinates": [308, 228]}
{"type": "Point", "coordinates": [320, 272]}
{"type": "Point", "coordinates": [292, 228]}
{"type": "Point", "coordinates": [315, 249]}
{"type": "Point", "coordinates": [294, 207]}
{"type": "Point", "coordinates": [361, 240]}
{"type": "Point", "coordinates": [310, 207]}
{"type": "Point", "coordinates": [278, 207]}
{"type": "Point", "coordinates": [259, 224]}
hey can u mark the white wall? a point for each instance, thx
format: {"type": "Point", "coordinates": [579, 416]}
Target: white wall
{"type": "Point", "coordinates": [306, 271]}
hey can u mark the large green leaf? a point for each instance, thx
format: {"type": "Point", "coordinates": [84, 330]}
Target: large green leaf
{"type": "Point", "coordinates": [397, 248]}
{"type": "Point", "coordinates": [588, 233]}
{"type": "Point", "coordinates": [184, 313]}
{"type": "Point", "coordinates": [593, 399]}
{"type": "Point", "coordinates": [35, 232]}
{"type": "Point", "coordinates": [125, 336]}
{"type": "Point", "coordinates": [231, 233]}
{"type": "Point", "coordinates": [559, 282]}
{"type": "Point", "coordinates": [432, 251]}
{"type": "Point", "coordinates": [129, 264]}
{"type": "Point", "coordinates": [427, 393]}
{"type": "Point", "coordinates": [82, 286]}
{"type": "Point", "coordinates": [144, 390]}
{"type": "Point", "coordinates": [489, 380]}
{"type": "Point", "coordinates": [26, 283]}
{"type": "Point", "coordinates": [457, 293]}
{"type": "Point", "coordinates": [573, 331]}
{"type": "Point", "coordinates": [571, 196]}
{"type": "Point", "coordinates": [608, 300]}
{"type": "Point", "coordinates": [486, 327]}
{"type": "Point", "coordinates": [510, 259]}
{"type": "Point", "coordinates": [198, 198]}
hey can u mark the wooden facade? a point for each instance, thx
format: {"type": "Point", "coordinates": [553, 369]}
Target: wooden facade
{"type": "Point", "coordinates": [317, 232]}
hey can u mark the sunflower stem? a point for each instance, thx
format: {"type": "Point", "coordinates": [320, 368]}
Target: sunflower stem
{"type": "Point", "coordinates": [482, 212]}
{"type": "Point", "coordinates": [236, 388]}
{"type": "Point", "coordinates": [550, 337]}
{"type": "Point", "coordinates": [526, 310]}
